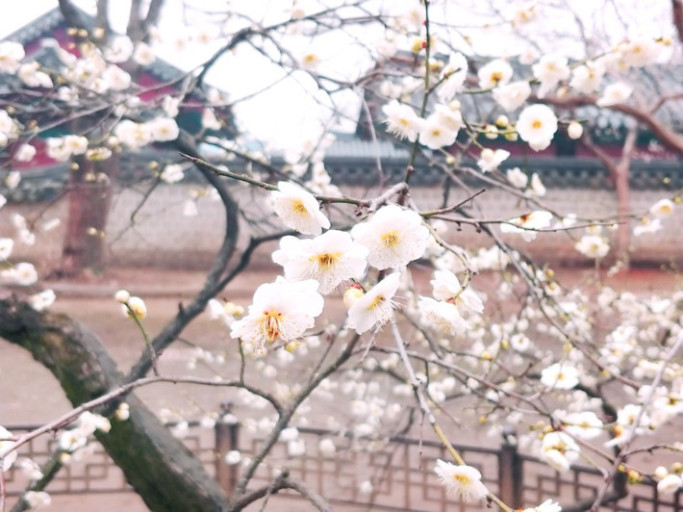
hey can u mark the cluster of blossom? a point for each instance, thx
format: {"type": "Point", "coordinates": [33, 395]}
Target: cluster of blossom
{"type": "Point", "coordinates": [391, 238]}
{"type": "Point", "coordinates": [22, 273]}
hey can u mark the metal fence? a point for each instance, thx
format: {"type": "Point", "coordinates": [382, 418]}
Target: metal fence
{"type": "Point", "coordinates": [393, 475]}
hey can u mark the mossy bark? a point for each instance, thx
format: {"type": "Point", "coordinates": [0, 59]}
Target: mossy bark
{"type": "Point", "coordinates": [161, 470]}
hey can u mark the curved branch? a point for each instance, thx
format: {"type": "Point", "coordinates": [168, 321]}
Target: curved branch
{"type": "Point", "coordinates": [664, 133]}
{"type": "Point", "coordinates": [164, 472]}
{"type": "Point", "coordinates": [213, 283]}
{"type": "Point", "coordinates": [283, 481]}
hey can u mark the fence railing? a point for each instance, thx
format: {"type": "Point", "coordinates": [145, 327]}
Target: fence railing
{"type": "Point", "coordinates": [394, 474]}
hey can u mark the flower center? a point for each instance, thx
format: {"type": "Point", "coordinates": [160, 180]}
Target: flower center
{"type": "Point", "coordinates": [271, 325]}
{"type": "Point", "coordinates": [390, 239]}
{"type": "Point", "coordinates": [536, 124]}
{"type": "Point", "coordinates": [298, 207]}
{"type": "Point", "coordinates": [377, 302]}
{"type": "Point", "coordinates": [326, 260]}
{"type": "Point", "coordinates": [462, 479]}
{"type": "Point", "coordinates": [496, 77]}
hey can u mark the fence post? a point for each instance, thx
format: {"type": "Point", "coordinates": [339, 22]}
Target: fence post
{"type": "Point", "coordinates": [226, 431]}
{"type": "Point", "coordinates": [510, 476]}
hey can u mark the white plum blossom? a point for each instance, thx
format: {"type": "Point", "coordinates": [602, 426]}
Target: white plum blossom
{"type": "Point", "coordinates": [296, 448]}
{"type": "Point", "coordinates": [647, 226]}
{"type": "Point", "coordinates": [6, 246]}
{"type": "Point", "coordinates": [582, 425]}
{"type": "Point", "coordinates": [528, 224]}
{"type": "Point", "coordinates": [559, 450]}
{"type": "Point", "coordinates": [550, 70]}
{"type": "Point", "coordinates": [135, 307]}
{"type": "Point", "coordinates": [435, 134]}
{"type": "Point", "coordinates": [298, 209]}
{"type": "Point", "coordinates": [143, 54]}
{"type": "Point", "coordinates": [280, 311]}
{"type": "Point", "coordinates": [116, 78]}
{"type": "Point", "coordinates": [669, 484]}
{"type": "Point", "coordinates": [586, 78]}
{"type": "Point", "coordinates": [5, 445]}
{"type": "Point", "coordinates": [662, 208]}
{"type": "Point", "coordinates": [374, 308]}
{"type": "Point", "coordinates": [172, 173]}
{"type": "Point", "coordinates": [461, 481]}
{"type": "Point", "coordinates": [22, 274]}
{"type": "Point", "coordinates": [37, 499]}
{"type": "Point", "coordinates": [449, 115]}
{"type": "Point", "coordinates": [233, 457]}
{"type": "Point", "coordinates": [546, 506]}
{"type": "Point", "coordinates": [25, 153]}
{"type": "Point", "coordinates": [42, 300]}
{"type": "Point", "coordinates": [402, 120]}
{"type": "Point", "coordinates": [537, 125]}
{"type": "Point", "coordinates": [132, 134]}
{"type": "Point", "coordinates": [330, 259]}
{"type": "Point", "coordinates": [517, 178]}
{"type": "Point", "coordinates": [494, 74]}
{"type": "Point", "coordinates": [575, 130]}
{"type": "Point", "coordinates": [119, 49]}
{"type": "Point", "coordinates": [614, 94]}
{"type": "Point", "coordinates": [11, 54]}
{"type": "Point", "coordinates": [513, 95]}
{"type": "Point", "coordinates": [446, 286]}
{"type": "Point", "coordinates": [560, 376]}
{"type": "Point", "coordinates": [366, 487]}
{"type": "Point", "coordinates": [593, 246]}
{"type": "Point", "coordinates": [326, 447]}
{"type": "Point", "coordinates": [537, 189]}
{"type": "Point", "coordinates": [163, 129]}
{"type": "Point", "coordinates": [490, 159]}
{"type": "Point", "coordinates": [393, 236]}
{"type": "Point", "coordinates": [442, 316]}
{"type": "Point", "coordinates": [12, 180]}
{"type": "Point", "coordinates": [31, 76]}
{"type": "Point", "coordinates": [453, 77]}
{"type": "Point", "coordinates": [640, 51]}
{"type": "Point", "coordinates": [89, 422]}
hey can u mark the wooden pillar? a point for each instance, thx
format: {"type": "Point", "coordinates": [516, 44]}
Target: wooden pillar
{"type": "Point", "coordinates": [226, 440]}
{"type": "Point", "coordinates": [510, 476]}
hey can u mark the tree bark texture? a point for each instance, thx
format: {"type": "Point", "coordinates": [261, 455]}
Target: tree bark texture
{"type": "Point", "coordinates": [161, 469]}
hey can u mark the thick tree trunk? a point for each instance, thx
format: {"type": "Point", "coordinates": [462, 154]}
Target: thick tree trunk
{"type": "Point", "coordinates": [90, 193]}
{"type": "Point", "coordinates": [162, 471]}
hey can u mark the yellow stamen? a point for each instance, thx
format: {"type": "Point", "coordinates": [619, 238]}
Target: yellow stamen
{"type": "Point", "coordinates": [379, 300]}
{"type": "Point", "coordinates": [390, 239]}
{"type": "Point", "coordinates": [326, 260]}
{"type": "Point", "coordinates": [462, 479]}
{"type": "Point", "coordinates": [298, 207]}
{"type": "Point", "coordinates": [271, 325]}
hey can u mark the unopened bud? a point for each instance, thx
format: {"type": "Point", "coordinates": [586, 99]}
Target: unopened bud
{"type": "Point", "coordinates": [575, 130]}
{"type": "Point", "coordinates": [135, 307]}
{"type": "Point", "coordinates": [122, 296]}
{"type": "Point", "coordinates": [352, 294]}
